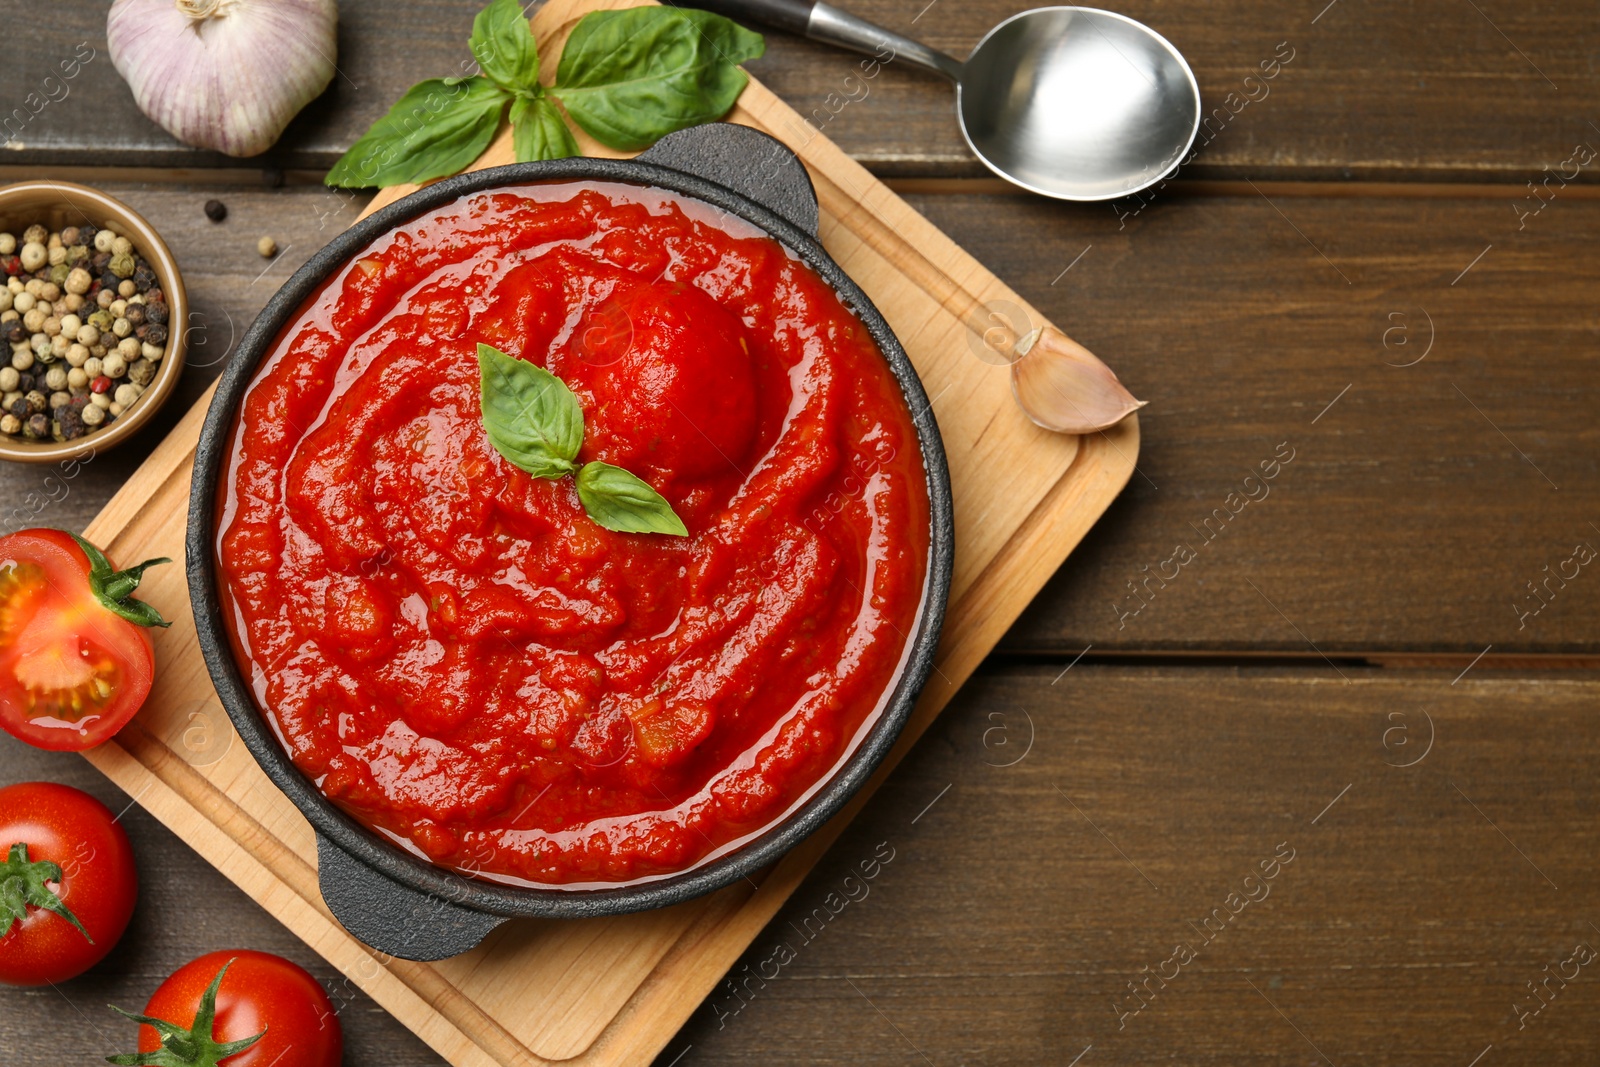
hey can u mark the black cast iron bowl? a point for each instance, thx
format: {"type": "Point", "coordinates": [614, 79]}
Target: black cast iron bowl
{"type": "Point", "coordinates": [401, 904]}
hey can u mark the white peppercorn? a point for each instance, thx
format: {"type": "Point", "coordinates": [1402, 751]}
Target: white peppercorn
{"type": "Point", "coordinates": [141, 372]}
{"type": "Point", "coordinates": [114, 365]}
{"type": "Point", "coordinates": [128, 348]}
{"type": "Point", "coordinates": [126, 394]}
{"type": "Point", "coordinates": [22, 360]}
{"type": "Point", "coordinates": [10, 423]}
{"type": "Point", "coordinates": [35, 234]}
{"type": "Point", "coordinates": [103, 240]}
{"type": "Point", "coordinates": [94, 415]}
{"type": "Point", "coordinates": [73, 303]}
{"type": "Point", "coordinates": [56, 253]}
{"type": "Point", "coordinates": [51, 325]}
{"type": "Point", "coordinates": [92, 367]}
{"type": "Point", "coordinates": [8, 244]}
{"type": "Point", "coordinates": [99, 400]}
{"type": "Point", "coordinates": [126, 287]}
{"type": "Point", "coordinates": [40, 344]}
{"type": "Point", "coordinates": [152, 352]}
{"type": "Point", "coordinates": [49, 292]}
{"type": "Point", "coordinates": [121, 327]}
{"type": "Point", "coordinates": [70, 325]}
{"type": "Point", "coordinates": [59, 400]}
{"type": "Point", "coordinates": [59, 346]}
{"type": "Point", "coordinates": [34, 256]}
{"type": "Point", "coordinates": [115, 409]}
{"type": "Point", "coordinates": [15, 285]}
{"type": "Point", "coordinates": [33, 319]}
{"type": "Point", "coordinates": [79, 281]}
{"type": "Point", "coordinates": [55, 379]}
{"type": "Point", "coordinates": [76, 378]}
{"type": "Point", "coordinates": [77, 355]}
{"type": "Point", "coordinates": [104, 298]}
{"type": "Point", "coordinates": [9, 376]}
{"type": "Point", "coordinates": [118, 309]}
{"type": "Point", "coordinates": [121, 246]}
{"type": "Point", "coordinates": [7, 298]}
{"type": "Point", "coordinates": [88, 335]}
{"type": "Point", "coordinates": [24, 301]}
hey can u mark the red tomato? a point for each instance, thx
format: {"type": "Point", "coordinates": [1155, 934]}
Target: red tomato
{"type": "Point", "coordinates": [75, 658]}
{"type": "Point", "coordinates": [62, 849]}
{"type": "Point", "coordinates": [259, 994]}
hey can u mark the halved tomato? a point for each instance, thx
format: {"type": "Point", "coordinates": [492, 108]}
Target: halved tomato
{"type": "Point", "coordinates": [76, 661]}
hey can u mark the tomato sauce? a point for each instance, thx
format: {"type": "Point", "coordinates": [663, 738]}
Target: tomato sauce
{"type": "Point", "coordinates": [457, 655]}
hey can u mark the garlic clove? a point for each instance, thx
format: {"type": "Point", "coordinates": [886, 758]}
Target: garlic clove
{"type": "Point", "coordinates": [227, 75]}
{"type": "Point", "coordinates": [1064, 387]}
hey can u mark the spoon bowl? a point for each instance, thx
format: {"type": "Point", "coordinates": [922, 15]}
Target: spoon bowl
{"type": "Point", "coordinates": [1077, 103]}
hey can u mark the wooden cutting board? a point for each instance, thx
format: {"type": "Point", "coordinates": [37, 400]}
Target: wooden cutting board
{"type": "Point", "coordinates": [614, 991]}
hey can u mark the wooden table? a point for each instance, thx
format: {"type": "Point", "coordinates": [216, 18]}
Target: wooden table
{"type": "Point", "coordinates": [1355, 671]}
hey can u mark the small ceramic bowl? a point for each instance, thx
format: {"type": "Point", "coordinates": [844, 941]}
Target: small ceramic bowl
{"type": "Point", "coordinates": [61, 204]}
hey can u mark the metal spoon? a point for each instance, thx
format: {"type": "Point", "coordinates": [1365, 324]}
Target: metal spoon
{"type": "Point", "coordinates": [1070, 102]}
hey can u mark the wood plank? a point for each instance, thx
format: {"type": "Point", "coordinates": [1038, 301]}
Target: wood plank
{"type": "Point", "coordinates": [1401, 934]}
{"type": "Point", "coordinates": [1016, 909]}
{"type": "Point", "coordinates": [1422, 499]}
{"type": "Point", "coordinates": [1406, 523]}
{"type": "Point", "coordinates": [1368, 93]}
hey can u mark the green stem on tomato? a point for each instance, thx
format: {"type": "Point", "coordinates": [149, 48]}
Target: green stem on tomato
{"type": "Point", "coordinates": [25, 884]}
{"type": "Point", "coordinates": [114, 589]}
{"type": "Point", "coordinates": [195, 1047]}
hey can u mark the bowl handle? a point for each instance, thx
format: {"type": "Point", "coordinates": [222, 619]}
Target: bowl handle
{"type": "Point", "coordinates": [747, 161]}
{"type": "Point", "coordinates": [394, 919]}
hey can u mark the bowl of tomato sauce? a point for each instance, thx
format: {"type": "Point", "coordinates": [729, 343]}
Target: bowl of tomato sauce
{"type": "Point", "coordinates": [491, 697]}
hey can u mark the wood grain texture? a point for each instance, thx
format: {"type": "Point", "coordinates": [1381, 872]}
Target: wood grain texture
{"type": "Point", "coordinates": [1017, 908]}
{"type": "Point", "coordinates": [1428, 88]}
{"type": "Point", "coordinates": [1421, 499]}
{"type": "Point", "coordinates": [1406, 523]}
{"type": "Point", "coordinates": [612, 991]}
{"type": "Point", "coordinates": [1005, 925]}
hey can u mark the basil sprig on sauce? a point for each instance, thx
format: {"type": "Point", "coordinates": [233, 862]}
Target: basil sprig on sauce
{"type": "Point", "coordinates": [628, 78]}
{"type": "Point", "coordinates": [536, 423]}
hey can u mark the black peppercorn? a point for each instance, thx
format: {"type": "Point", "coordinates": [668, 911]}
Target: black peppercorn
{"type": "Point", "coordinates": [86, 233]}
{"type": "Point", "coordinates": [135, 315]}
{"type": "Point", "coordinates": [156, 312]}
{"type": "Point", "coordinates": [143, 277]}
{"type": "Point", "coordinates": [71, 420]}
{"type": "Point", "coordinates": [154, 333]}
{"type": "Point", "coordinates": [109, 281]}
{"type": "Point", "coordinates": [155, 296]}
{"type": "Point", "coordinates": [13, 332]}
{"type": "Point", "coordinates": [37, 426]}
{"type": "Point", "coordinates": [216, 210]}
{"type": "Point", "coordinates": [25, 382]}
{"type": "Point", "coordinates": [100, 263]}
{"type": "Point", "coordinates": [19, 407]}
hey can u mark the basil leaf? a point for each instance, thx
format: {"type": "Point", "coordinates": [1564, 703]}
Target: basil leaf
{"type": "Point", "coordinates": [502, 43]}
{"type": "Point", "coordinates": [539, 132]}
{"type": "Point", "coordinates": [435, 129]}
{"type": "Point", "coordinates": [618, 501]}
{"type": "Point", "coordinates": [631, 77]}
{"type": "Point", "coordinates": [532, 418]}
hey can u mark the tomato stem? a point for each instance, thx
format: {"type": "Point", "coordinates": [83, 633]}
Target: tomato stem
{"type": "Point", "coordinates": [194, 1047]}
{"type": "Point", "coordinates": [114, 588]}
{"type": "Point", "coordinates": [25, 884]}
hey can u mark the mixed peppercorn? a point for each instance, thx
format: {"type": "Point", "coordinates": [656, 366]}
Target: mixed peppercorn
{"type": "Point", "coordinates": [88, 326]}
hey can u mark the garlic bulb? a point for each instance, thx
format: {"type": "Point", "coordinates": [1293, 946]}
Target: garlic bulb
{"type": "Point", "coordinates": [224, 74]}
{"type": "Point", "coordinates": [1062, 386]}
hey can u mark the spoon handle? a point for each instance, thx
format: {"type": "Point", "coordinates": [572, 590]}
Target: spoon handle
{"type": "Point", "coordinates": [827, 24]}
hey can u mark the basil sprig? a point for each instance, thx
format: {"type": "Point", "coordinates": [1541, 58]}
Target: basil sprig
{"type": "Point", "coordinates": [536, 423]}
{"type": "Point", "coordinates": [628, 78]}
